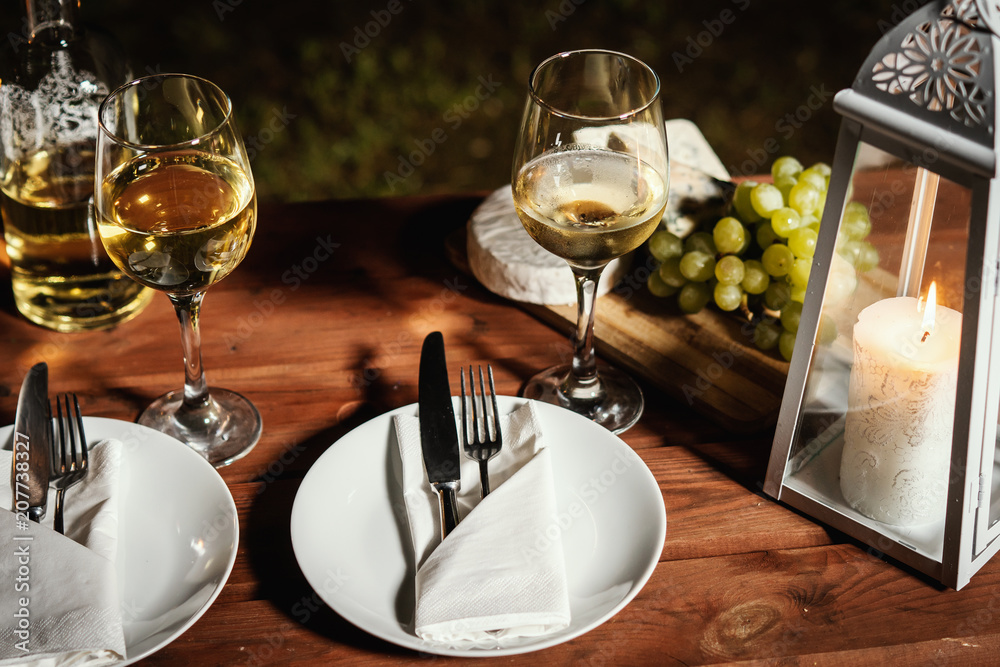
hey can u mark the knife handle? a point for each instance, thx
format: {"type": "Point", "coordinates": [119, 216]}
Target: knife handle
{"type": "Point", "coordinates": [449, 506]}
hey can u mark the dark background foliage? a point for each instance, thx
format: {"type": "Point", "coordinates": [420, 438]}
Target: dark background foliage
{"type": "Point", "coordinates": [342, 100]}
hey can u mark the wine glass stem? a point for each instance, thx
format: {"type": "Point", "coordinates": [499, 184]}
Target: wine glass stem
{"type": "Point", "coordinates": [584, 361]}
{"type": "Point", "coordinates": [188, 309]}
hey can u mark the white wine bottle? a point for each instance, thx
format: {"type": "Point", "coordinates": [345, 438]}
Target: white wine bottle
{"type": "Point", "coordinates": [56, 73]}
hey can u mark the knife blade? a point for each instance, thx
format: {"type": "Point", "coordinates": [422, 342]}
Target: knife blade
{"type": "Point", "coordinates": [29, 474]}
{"type": "Point", "coordinates": [438, 434]}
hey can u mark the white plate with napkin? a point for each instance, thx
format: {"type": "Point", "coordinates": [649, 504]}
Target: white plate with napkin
{"type": "Point", "coordinates": [160, 530]}
{"type": "Point", "coordinates": [352, 535]}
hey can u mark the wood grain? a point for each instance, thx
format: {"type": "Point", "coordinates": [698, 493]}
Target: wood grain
{"type": "Point", "coordinates": [741, 579]}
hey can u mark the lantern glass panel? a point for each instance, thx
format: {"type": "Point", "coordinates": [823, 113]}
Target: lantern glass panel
{"type": "Point", "coordinates": [902, 228]}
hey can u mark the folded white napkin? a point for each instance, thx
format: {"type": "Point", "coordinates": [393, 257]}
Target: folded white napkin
{"type": "Point", "coordinates": [500, 574]}
{"type": "Point", "coordinates": [59, 593]}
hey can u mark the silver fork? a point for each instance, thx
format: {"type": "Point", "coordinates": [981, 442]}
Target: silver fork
{"type": "Point", "coordinates": [483, 445]}
{"type": "Point", "coordinates": [69, 451]}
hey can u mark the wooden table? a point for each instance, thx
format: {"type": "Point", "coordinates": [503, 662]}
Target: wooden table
{"type": "Point", "coordinates": [323, 341]}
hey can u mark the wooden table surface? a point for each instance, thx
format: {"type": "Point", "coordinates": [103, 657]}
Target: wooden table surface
{"type": "Point", "coordinates": [321, 327]}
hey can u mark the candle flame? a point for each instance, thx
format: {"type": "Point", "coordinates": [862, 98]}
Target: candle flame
{"type": "Point", "coordinates": [930, 311]}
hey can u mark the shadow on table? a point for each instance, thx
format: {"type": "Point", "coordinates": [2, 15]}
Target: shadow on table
{"type": "Point", "coordinates": [271, 555]}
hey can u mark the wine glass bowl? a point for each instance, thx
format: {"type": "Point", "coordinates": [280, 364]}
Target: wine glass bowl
{"type": "Point", "coordinates": [590, 179]}
{"type": "Point", "coordinates": [176, 211]}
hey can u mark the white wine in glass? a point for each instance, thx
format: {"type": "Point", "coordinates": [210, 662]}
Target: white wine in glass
{"type": "Point", "coordinates": [590, 183]}
{"type": "Point", "coordinates": [176, 211]}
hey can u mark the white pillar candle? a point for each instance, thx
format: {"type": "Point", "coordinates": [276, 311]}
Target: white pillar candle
{"type": "Point", "coordinates": [901, 406]}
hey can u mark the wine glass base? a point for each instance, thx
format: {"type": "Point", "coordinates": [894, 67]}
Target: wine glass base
{"type": "Point", "coordinates": [223, 431]}
{"type": "Point", "coordinates": [614, 401]}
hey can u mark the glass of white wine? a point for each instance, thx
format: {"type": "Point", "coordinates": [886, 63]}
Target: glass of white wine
{"type": "Point", "coordinates": [590, 181]}
{"type": "Point", "coordinates": [176, 209]}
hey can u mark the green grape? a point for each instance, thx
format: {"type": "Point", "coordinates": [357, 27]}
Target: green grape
{"type": "Point", "coordinates": [811, 221]}
{"type": "Point", "coordinates": [741, 202]}
{"type": "Point", "coordinates": [777, 259]}
{"type": "Point", "coordinates": [698, 266]}
{"type": "Point", "coordinates": [790, 316]}
{"type": "Point", "coordinates": [785, 185]}
{"type": "Point", "coordinates": [777, 295]}
{"type": "Point", "coordinates": [821, 168]}
{"type": "Point", "coordinates": [815, 179]}
{"type": "Point", "coordinates": [842, 281]}
{"type": "Point", "coordinates": [765, 334]}
{"type": "Point", "coordinates": [850, 250]}
{"type": "Point", "coordinates": [867, 258]}
{"type": "Point", "coordinates": [657, 287]}
{"type": "Point", "coordinates": [702, 242]}
{"type": "Point", "coordinates": [785, 166]}
{"type": "Point", "coordinates": [827, 332]}
{"type": "Point", "coordinates": [856, 223]}
{"type": "Point", "coordinates": [805, 198]}
{"type": "Point", "coordinates": [766, 199]}
{"type": "Point", "coordinates": [784, 221]}
{"type": "Point", "coordinates": [663, 245]}
{"type": "Point", "coordinates": [798, 294]}
{"type": "Point", "coordinates": [786, 345]}
{"type": "Point", "coordinates": [693, 297]}
{"type": "Point", "coordinates": [729, 235]}
{"type": "Point", "coordinates": [755, 278]}
{"type": "Point", "coordinates": [802, 242]}
{"type": "Point", "coordinates": [727, 297]}
{"type": "Point", "coordinates": [798, 274]}
{"type": "Point", "coordinates": [765, 235]}
{"type": "Point", "coordinates": [670, 273]}
{"type": "Point", "coordinates": [730, 270]}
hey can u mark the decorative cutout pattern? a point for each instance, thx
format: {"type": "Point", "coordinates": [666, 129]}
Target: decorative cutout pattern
{"type": "Point", "coordinates": [939, 65]}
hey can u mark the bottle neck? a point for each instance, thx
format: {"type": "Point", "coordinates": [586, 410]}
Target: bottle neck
{"type": "Point", "coordinates": [52, 20]}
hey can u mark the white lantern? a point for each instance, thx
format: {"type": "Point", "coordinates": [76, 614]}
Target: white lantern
{"type": "Point", "coordinates": [888, 424]}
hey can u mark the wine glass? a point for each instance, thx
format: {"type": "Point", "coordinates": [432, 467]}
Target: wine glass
{"type": "Point", "coordinates": [176, 210]}
{"type": "Point", "coordinates": [590, 182]}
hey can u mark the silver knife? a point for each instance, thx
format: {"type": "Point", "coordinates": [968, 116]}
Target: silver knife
{"type": "Point", "coordinates": [438, 433]}
{"type": "Point", "coordinates": [29, 475]}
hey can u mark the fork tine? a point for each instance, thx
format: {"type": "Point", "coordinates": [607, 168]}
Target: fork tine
{"type": "Point", "coordinates": [496, 411]}
{"type": "Point", "coordinates": [482, 402]}
{"type": "Point", "coordinates": [465, 416]}
{"type": "Point", "coordinates": [84, 457]}
{"type": "Point", "coordinates": [475, 412]}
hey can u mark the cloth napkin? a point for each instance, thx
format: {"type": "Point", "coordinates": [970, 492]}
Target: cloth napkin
{"type": "Point", "coordinates": [500, 574]}
{"type": "Point", "coordinates": [59, 593]}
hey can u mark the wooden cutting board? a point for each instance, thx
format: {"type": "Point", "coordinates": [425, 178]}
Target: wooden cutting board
{"type": "Point", "coordinates": [706, 361]}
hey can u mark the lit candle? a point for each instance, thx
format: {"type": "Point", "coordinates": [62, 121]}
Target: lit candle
{"type": "Point", "coordinates": [901, 405]}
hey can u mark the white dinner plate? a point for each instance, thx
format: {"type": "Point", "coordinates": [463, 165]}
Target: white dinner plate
{"type": "Point", "coordinates": [177, 536]}
{"type": "Point", "coordinates": [350, 538]}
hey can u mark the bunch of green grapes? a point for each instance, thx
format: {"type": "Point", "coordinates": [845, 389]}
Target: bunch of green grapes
{"type": "Point", "coordinates": [759, 257]}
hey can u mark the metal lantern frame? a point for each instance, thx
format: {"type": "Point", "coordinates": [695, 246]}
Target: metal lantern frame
{"type": "Point", "coordinates": [925, 96]}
